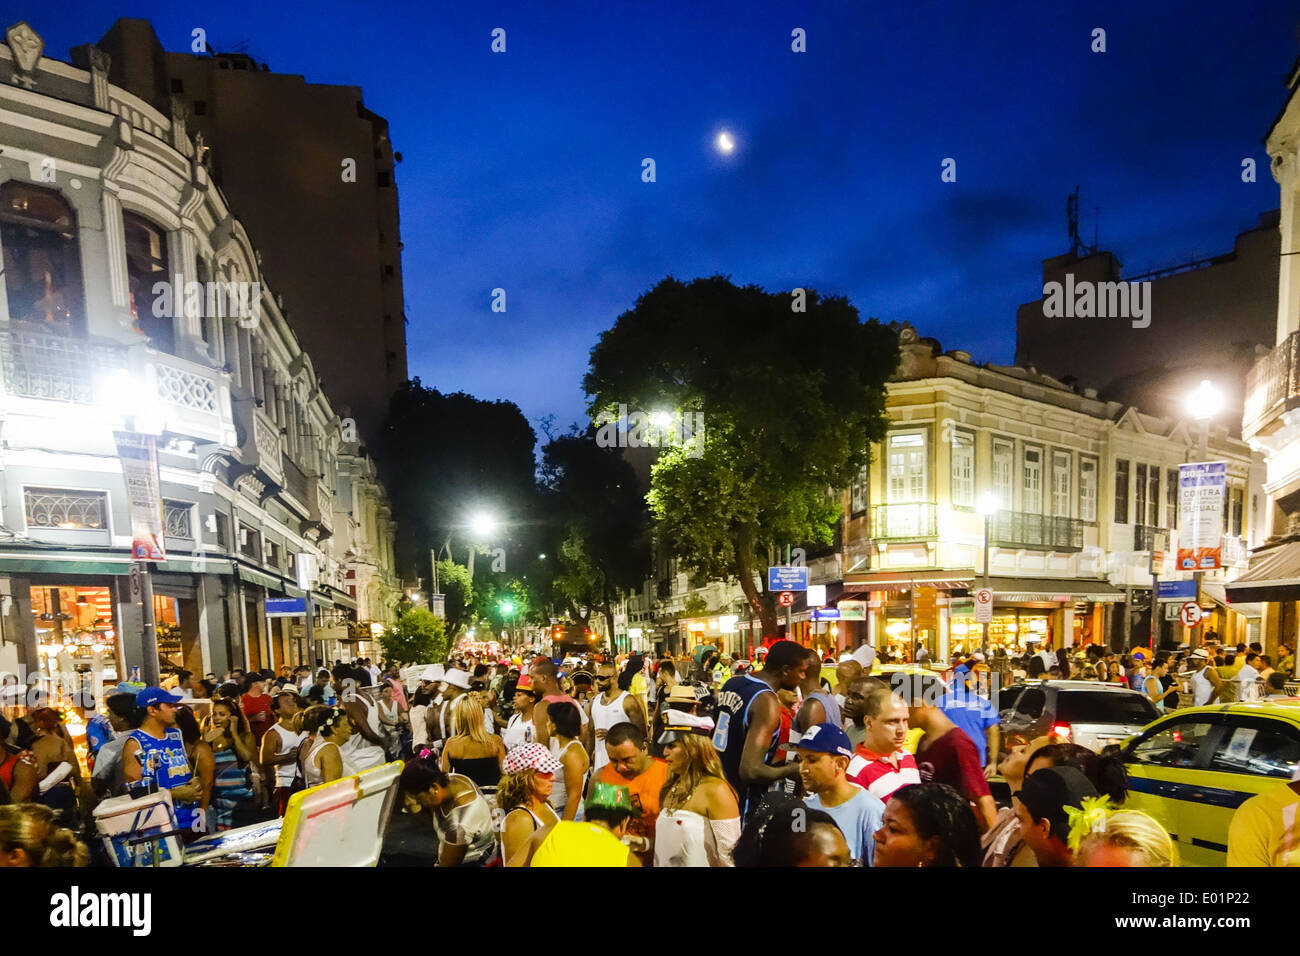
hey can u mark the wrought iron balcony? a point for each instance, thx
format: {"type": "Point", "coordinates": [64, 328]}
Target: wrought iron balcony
{"type": "Point", "coordinates": [1016, 529]}
{"type": "Point", "coordinates": [904, 522]}
{"type": "Point", "coordinates": [1272, 385]}
{"type": "Point", "coordinates": [57, 368]}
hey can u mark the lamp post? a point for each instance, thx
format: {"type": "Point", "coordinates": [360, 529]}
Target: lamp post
{"type": "Point", "coordinates": [1203, 403]}
{"type": "Point", "coordinates": [986, 506]}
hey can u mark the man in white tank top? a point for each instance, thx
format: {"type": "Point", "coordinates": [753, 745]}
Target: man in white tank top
{"type": "Point", "coordinates": [609, 707]}
{"type": "Point", "coordinates": [279, 750]}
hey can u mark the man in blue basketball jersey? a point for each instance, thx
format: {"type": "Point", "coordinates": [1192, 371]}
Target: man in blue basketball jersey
{"type": "Point", "coordinates": [749, 723]}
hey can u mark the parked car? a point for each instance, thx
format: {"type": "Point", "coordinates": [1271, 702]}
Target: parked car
{"type": "Point", "coordinates": [1089, 713]}
{"type": "Point", "coordinates": [1192, 768]}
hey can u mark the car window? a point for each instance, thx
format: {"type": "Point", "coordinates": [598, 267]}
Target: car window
{"type": "Point", "coordinates": [1262, 748]}
{"type": "Point", "coordinates": [1007, 697]}
{"type": "Point", "coordinates": [1031, 703]}
{"type": "Point", "coordinates": [1104, 707]}
{"type": "Point", "coordinates": [1176, 744]}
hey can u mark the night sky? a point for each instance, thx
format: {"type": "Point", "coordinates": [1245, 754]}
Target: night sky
{"type": "Point", "coordinates": [523, 170]}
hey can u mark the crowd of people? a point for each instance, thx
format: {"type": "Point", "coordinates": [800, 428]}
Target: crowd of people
{"type": "Point", "coordinates": [621, 762]}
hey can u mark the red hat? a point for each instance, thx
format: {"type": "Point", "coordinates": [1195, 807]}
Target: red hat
{"type": "Point", "coordinates": [525, 682]}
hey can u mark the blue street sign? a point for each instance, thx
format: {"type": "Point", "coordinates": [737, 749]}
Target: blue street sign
{"type": "Point", "coordinates": [1176, 590]}
{"type": "Point", "coordinates": [826, 614]}
{"type": "Point", "coordinates": [785, 577]}
{"type": "Point", "coordinates": [286, 607]}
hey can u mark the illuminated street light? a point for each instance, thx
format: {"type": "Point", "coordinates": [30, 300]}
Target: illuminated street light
{"type": "Point", "coordinates": [483, 524]}
{"type": "Point", "coordinates": [987, 504]}
{"type": "Point", "coordinates": [1205, 401]}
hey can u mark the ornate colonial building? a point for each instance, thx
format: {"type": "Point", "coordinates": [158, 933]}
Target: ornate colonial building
{"type": "Point", "coordinates": [132, 299]}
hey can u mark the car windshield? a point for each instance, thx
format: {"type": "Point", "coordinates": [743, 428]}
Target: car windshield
{"type": "Point", "coordinates": [1101, 707]}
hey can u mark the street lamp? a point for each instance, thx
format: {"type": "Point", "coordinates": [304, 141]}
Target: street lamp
{"type": "Point", "coordinates": [483, 524]}
{"type": "Point", "coordinates": [987, 505]}
{"type": "Point", "coordinates": [1203, 403]}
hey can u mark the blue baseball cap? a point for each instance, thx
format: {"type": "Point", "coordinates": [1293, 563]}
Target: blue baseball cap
{"type": "Point", "coordinates": [155, 695]}
{"type": "Point", "coordinates": [826, 739]}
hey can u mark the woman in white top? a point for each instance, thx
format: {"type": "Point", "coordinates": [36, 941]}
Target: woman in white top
{"type": "Point", "coordinates": [699, 819]}
{"type": "Point", "coordinates": [320, 757]}
{"type": "Point", "coordinates": [523, 794]}
{"type": "Point", "coordinates": [279, 749]}
{"type": "Point", "coordinates": [564, 724]}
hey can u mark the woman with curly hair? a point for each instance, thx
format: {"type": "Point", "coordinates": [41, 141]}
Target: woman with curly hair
{"type": "Point", "coordinates": [233, 748]}
{"type": "Point", "coordinates": [523, 795]}
{"type": "Point", "coordinates": [319, 754]}
{"type": "Point", "coordinates": [784, 832]}
{"type": "Point", "coordinates": [928, 824]}
{"type": "Point", "coordinates": [29, 837]}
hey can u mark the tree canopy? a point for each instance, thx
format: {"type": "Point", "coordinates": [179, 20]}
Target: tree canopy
{"type": "Point", "coordinates": [790, 400]}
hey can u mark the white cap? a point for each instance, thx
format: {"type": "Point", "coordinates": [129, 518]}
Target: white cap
{"type": "Point", "coordinates": [456, 678]}
{"type": "Point", "coordinates": [432, 673]}
{"type": "Point", "coordinates": [979, 656]}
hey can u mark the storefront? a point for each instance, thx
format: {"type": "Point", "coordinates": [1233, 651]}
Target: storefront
{"type": "Point", "coordinates": [77, 638]}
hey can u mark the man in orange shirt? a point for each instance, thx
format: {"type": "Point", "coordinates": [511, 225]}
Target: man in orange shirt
{"type": "Point", "coordinates": [630, 765]}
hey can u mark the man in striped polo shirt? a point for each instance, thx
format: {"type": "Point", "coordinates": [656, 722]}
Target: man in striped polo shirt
{"type": "Point", "coordinates": [880, 764]}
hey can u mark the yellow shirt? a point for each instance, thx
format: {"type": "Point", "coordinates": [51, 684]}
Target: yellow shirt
{"type": "Point", "coordinates": [1263, 831]}
{"type": "Point", "coordinates": [580, 844]}
{"type": "Point", "coordinates": [914, 735]}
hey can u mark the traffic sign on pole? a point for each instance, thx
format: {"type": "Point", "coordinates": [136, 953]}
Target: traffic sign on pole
{"type": "Point", "coordinates": [1190, 614]}
{"type": "Point", "coordinates": [786, 598]}
{"type": "Point", "coordinates": [983, 605]}
{"type": "Point", "coordinates": [787, 577]}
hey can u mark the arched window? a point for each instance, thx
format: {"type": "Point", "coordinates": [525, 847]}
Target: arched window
{"type": "Point", "coordinates": [42, 263]}
{"type": "Point", "coordinates": [146, 264]}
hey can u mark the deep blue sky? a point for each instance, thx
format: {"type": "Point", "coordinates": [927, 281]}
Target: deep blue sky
{"type": "Point", "coordinates": [522, 170]}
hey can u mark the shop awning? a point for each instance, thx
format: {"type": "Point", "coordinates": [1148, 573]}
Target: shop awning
{"type": "Point", "coordinates": [1273, 575]}
{"type": "Point", "coordinates": [260, 578]}
{"type": "Point", "coordinates": [1053, 590]}
{"type": "Point", "coordinates": [189, 564]}
{"type": "Point", "coordinates": [1244, 608]}
{"type": "Point", "coordinates": [904, 580]}
{"type": "Point", "coordinates": [66, 563]}
{"type": "Point", "coordinates": [1005, 590]}
{"type": "Point", "coordinates": [341, 599]}
{"type": "Point", "coordinates": [322, 599]}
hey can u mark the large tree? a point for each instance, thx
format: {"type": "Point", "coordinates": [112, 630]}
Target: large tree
{"type": "Point", "coordinates": [453, 456]}
{"type": "Point", "coordinates": [790, 390]}
{"type": "Point", "coordinates": [597, 510]}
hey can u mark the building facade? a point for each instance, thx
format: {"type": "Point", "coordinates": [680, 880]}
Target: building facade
{"type": "Point", "coordinates": [311, 173]}
{"type": "Point", "coordinates": [133, 299]}
{"type": "Point", "coordinates": [1081, 493]}
{"type": "Point", "coordinates": [1271, 419]}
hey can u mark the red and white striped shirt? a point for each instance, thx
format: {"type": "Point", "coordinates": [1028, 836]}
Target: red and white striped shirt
{"type": "Point", "coordinates": [881, 775]}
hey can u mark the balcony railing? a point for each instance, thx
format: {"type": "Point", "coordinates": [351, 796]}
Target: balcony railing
{"type": "Point", "coordinates": [903, 522]}
{"type": "Point", "coordinates": [1273, 381]}
{"type": "Point", "coordinates": [1015, 529]}
{"type": "Point", "coordinates": [59, 368]}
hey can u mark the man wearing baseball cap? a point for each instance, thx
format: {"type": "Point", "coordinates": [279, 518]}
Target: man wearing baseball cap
{"type": "Point", "coordinates": [824, 753]}
{"type": "Point", "coordinates": [1042, 806]}
{"type": "Point", "coordinates": [155, 753]}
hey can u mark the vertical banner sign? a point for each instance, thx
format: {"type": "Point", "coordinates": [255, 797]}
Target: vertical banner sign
{"type": "Point", "coordinates": [1201, 489]}
{"type": "Point", "coordinates": [139, 456]}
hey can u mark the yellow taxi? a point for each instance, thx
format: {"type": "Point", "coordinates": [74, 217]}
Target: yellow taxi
{"type": "Point", "coordinates": [1193, 767]}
